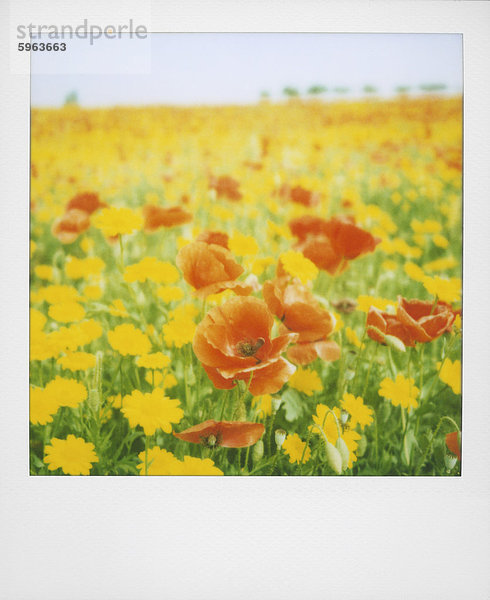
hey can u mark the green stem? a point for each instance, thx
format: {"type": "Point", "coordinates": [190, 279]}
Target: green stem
{"type": "Point", "coordinates": [300, 464]}
{"type": "Point", "coordinates": [371, 362]}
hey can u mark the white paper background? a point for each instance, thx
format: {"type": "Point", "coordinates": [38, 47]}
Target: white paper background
{"type": "Point", "coordinates": [186, 538]}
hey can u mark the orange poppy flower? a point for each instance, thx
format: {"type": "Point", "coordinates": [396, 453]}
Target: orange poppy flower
{"type": "Point", "coordinates": [214, 237]}
{"type": "Point", "coordinates": [415, 321]}
{"type": "Point", "coordinates": [69, 226]}
{"type": "Point", "coordinates": [210, 269]}
{"type": "Point", "coordinates": [226, 187]}
{"type": "Point", "coordinates": [299, 195]}
{"type": "Point", "coordinates": [331, 244]}
{"type": "Point", "coordinates": [88, 202]}
{"type": "Point", "coordinates": [301, 313]}
{"type": "Point", "coordinates": [229, 434]}
{"type": "Point", "coordinates": [233, 342]}
{"type": "Point", "coordinates": [453, 443]}
{"type": "Point", "coordinates": [156, 217]}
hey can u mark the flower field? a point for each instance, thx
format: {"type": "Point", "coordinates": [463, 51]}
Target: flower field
{"type": "Point", "coordinates": [258, 290]}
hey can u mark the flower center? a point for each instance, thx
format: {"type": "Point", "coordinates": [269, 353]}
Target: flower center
{"type": "Point", "coordinates": [249, 348]}
{"type": "Point", "coordinates": [211, 440]}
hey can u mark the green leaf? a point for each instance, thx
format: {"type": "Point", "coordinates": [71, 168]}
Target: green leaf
{"type": "Point", "coordinates": [293, 405]}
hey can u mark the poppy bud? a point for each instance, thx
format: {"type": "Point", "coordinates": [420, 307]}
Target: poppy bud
{"type": "Point", "coordinates": [450, 460]}
{"type": "Point", "coordinates": [362, 446]}
{"type": "Point", "coordinates": [279, 436]}
{"type": "Point", "coordinates": [344, 416]}
{"type": "Point", "coordinates": [344, 452]}
{"type": "Point", "coordinates": [334, 459]}
{"type": "Point", "coordinates": [395, 343]}
{"type": "Point", "coordinates": [258, 451]}
{"type": "Point", "coordinates": [276, 403]}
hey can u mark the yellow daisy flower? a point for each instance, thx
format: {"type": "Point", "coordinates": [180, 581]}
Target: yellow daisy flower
{"type": "Point", "coordinates": [117, 221]}
{"type": "Point", "coordinates": [152, 411]}
{"type": "Point", "coordinates": [306, 381]}
{"type": "Point", "coordinates": [402, 392]}
{"type": "Point", "coordinates": [126, 339]}
{"type": "Point", "coordinates": [294, 447]}
{"type": "Point", "coordinates": [74, 455]}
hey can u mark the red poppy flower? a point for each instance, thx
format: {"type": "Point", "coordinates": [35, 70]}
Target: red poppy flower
{"type": "Point", "coordinates": [69, 226]}
{"type": "Point", "coordinates": [156, 217]}
{"type": "Point", "coordinates": [414, 321]}
{"type": "Point", "coordinates": [214, 237]}
{"type": "Point", "coordinates": [210, 269]}
{"type": "Point", "coordinates": [299, 195]}
{"type": "Point", "coordinates": [87, 202]}
{"type": "Point", "coordinates": [301, 313]}
{"type": "Point", "coordinates": [331, 244]}
{"type": "Point", "coordinates": [226, 187]}
{"type": "Point", "coordinates": [229, 434]}
{"type": "Point", "coordinates": [453, 443]}
{"type": "Point", "coordinates": [233, 342]}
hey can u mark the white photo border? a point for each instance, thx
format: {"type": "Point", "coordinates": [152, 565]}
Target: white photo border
{"type": "Point", "coordinates": [211, 538]}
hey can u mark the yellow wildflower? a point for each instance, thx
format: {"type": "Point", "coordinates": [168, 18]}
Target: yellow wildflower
{"type": "Point", "coordinates": [447, 290]}
{"type": "Point", "coordinates": [79, 268]}
{"type": "Point", "coordinates": [441, 264]}
{"type": "Point", "coordinates": [414, 271]}
{"type": "Point", "coordinates": [117, 308]}
{"type": "Point", "coordinates": [178, 332]}
{"type": "Point", "coordinates": [66, 312]}
{"type": "Point", "coordinates": [157, 360]}
{"type": "Point", "coordinates": [74, 455]}
{"type": "Point", "coordinates": [364, 303]}
{"type": "Point", "coordinates": [127, 339]}
{"type": "Point", "coordinates": [44, 272]}
{"type": "Point", "coordinates": [263, 404]}
{"type": "Point", "coordinates": [294, 447]}
{"type": "Point", "coordinates": [359, 412]}
{"type": "Point", "coordinates": [440, 241]}
{"type": "Point", "coordinates": [58, 294]}
{"type": "Point", "coordinates": [152, 411]}
{"type": "Point", "coordinates": [170, 293]}
{"type": "Point", "coordinates": [306, 381]}
{"type": "Point", "coordinates": [351, 336]}
{"type": "Point", "coordinates": [298, 266]}
{"type": "Point", "coordinates": [402, 392]}
{"type": "Point", "coordinates": [77, 361]}
{"type": "Point", "coordinates": [450, 373]}
{"type": "Point", "coordinates": [92, 292]}
{"type": "Point", "coordinates": [117, 221]}
{"type": "Point", "coordinates": [41, 406]}
{"type": "Point", "coordinates": [152, 269]}
{"type": "Point", "coordinates": [243, 245]}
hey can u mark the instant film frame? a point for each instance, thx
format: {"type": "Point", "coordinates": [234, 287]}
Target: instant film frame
{"type": "Point", "coordinates": [438, 501]}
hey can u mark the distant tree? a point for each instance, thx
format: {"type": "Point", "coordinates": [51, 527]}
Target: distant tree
{"type": "Point", "coordinates": [369, 89]}
{"type": "Point", "coordinates": [71, 99]}
{"type": "Point", "coordinates": [432, 87]}
{"type": "Point", "coordinates": [316, 90]}
{"type": "Point", "coordinates": [341, 90]}
{"type": "Point", "coordinates": [290, 92]}
{"type": "Point", "coordinates": [402, 89]}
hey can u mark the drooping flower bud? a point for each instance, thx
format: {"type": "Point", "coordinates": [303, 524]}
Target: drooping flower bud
{"type": "Point", "coordinates": [334, 459]}
{"type": "Point", "coordinates": [344, 452]}
{"type": "Point", "coordinates": [276, 404]}
{"type": "Point", "coordinates": [450, 460]}
{"type": "Point", "coordinates": [344, 416]}
{"type": "Point", "coordinates": [395, 343]}
{"type": "Point", "coordinates": [279, 436]}
{"type": "Point", "coordinates": [258, 451]}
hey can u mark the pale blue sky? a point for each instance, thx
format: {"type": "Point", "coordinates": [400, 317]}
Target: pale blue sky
{"type": "Point", "coordinates": [195, 68]}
